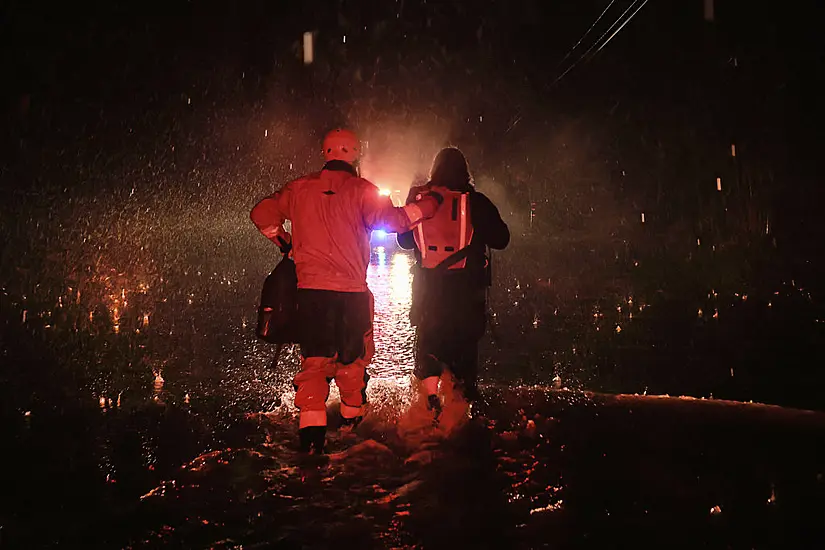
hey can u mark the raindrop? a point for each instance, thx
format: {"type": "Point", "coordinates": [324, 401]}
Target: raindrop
{"type": "Point", "coordinates": [308, 53]}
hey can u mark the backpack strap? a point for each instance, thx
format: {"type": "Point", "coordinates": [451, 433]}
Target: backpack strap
{"type": "Point", "coordinates": [453, 258]}
{"type": "Point", "coordinates": [463, 252]}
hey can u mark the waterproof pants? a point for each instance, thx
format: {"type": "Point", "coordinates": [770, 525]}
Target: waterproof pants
{"type": "Point", "coordinates": [336, 343]}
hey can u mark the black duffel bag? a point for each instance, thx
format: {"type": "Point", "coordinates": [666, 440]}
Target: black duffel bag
{"type": "Point", "coordinates": [278, 311]}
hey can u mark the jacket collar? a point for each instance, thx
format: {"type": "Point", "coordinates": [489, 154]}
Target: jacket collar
{"type": "Point", "coordinates": [340, 166]}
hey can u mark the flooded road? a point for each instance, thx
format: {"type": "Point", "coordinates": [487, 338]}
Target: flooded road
{"type": "Point", "coordinates": [188, 439]}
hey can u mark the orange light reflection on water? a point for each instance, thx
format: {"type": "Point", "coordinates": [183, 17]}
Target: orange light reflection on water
{"type": "Point", "coordinates": [391, 284]}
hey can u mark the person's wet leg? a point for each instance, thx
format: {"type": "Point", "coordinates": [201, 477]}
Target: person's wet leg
{"type": "Point", "coordinates": [311, 393]}
{"type": "Point", "coordinates": [317, 318]}
{"type": "Point", "coordinates": [352, 384]}
{"type": "Point", "coordinates": [428, 369]}
{"type": "Point", "coordinates": [465, 370]}
{"type": "Point", "coordinates": [356, 349]}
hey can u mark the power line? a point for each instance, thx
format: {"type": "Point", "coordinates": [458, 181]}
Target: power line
{"type": "Point", "coordinates": [616, 22]}
{"type": "Point", "coordinates": [596, 22]}
{"type": "Point", "coordinates": [620, 28]}
{"type": "Point", "coordinates": [582, 57]}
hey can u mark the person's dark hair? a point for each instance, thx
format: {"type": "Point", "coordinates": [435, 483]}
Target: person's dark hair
{"type": "Point", "coordinates": [450, 170]}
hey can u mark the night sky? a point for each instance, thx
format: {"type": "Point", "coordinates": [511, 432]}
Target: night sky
{"type": "Point", "coordinates": [96, 91]}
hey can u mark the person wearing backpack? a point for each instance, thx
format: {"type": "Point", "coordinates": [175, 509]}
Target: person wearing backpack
{"type": "Point", "coordinates": [451, 276]}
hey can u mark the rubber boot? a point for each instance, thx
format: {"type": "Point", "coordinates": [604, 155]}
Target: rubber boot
{"type": "Point", "coordinates": [350, 424]}
{"type": "Point", "coordinates": [313, 439]}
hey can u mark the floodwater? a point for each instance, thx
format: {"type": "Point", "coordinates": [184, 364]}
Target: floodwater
{"type": "Point", "coordinates": [204, 457]}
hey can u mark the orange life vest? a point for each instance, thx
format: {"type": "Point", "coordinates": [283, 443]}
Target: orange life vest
{"type": "Point", "coordinates": [449, 231]}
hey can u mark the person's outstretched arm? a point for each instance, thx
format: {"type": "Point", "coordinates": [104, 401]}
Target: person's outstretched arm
{"type": "Point", "coordinates": [379, 212]}
{"type": "Point", "coordinates": [406, 240]}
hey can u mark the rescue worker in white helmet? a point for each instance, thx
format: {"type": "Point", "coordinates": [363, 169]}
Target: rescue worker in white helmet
{"type": "Point", "coordinates": [333, 212]}
{"type": "Point", "coordinates": [449, 308]}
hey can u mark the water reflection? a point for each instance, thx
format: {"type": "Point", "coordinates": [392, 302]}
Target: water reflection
{"type": "Point", "coordinates": [255, 377]}
{"type": "Point", "coordinates": [534, 464]}
{"type": "Point", "coordinates": [116, 324]}
{"type": "Point", "coordinates": [391, 284]}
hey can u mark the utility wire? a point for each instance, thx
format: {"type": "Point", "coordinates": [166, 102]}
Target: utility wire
{"type": "Point", "coordinates": [584, 55]}
{"type": "Point", "coordinates": [596, 22]}
{"type": "Point", "coordinates": [620, 28]}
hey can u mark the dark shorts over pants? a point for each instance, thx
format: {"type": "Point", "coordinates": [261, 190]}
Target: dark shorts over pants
{"type": "Point", "coordinates": [333, 323]}
{"type": "Point", "coordinates": [336, 343]}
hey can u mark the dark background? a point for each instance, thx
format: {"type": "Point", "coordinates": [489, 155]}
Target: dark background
{"type": "Point", "coordinates": [666, 97]}
{"type": "Point", "coordinates": [140, 134]}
